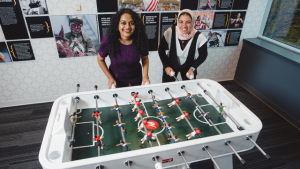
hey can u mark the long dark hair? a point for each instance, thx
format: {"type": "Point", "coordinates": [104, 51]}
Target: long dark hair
{"type": "Point", "coordinates": [139, 37]}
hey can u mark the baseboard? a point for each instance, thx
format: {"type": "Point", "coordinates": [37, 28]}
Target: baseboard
{"type": "Point", "coordinates": [28, 101]}
{"type": "Point", "coordinates": [269, 103]}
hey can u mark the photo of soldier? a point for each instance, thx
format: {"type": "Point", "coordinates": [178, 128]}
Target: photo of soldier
{"type": "Point", "coordinates": [75, 33]}
{"type": "Point", "coordinates": [215, 38]}
{"type": "Point", "coordinates": [4, 56]}
{"type": "Point", "coordinates": [34, 7]}
{"type": "Point", "coordinates": [204, 20]}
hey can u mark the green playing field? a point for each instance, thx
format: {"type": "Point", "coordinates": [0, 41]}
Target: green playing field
{"type": "Point", "coordinates": [86, 126]}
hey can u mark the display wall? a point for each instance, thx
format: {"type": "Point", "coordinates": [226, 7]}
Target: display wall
{"type": "Point", "coordinates": [48, 76]}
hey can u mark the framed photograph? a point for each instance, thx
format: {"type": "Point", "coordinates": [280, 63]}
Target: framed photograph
{"type": "Point", "coordinates": [237, 20]}
{"type": "Point", "coordinates": [4, 55]}
{"type": "Point", "coordinates": [34, 7]}
{"type": "Point", "coordinates": [215, 38]}
{"type": "Point", "coordinates": [207, 4]}
{"type": "Point", "coordinates": [204, 20]}
{"type": "Point", "coordinates": [75, 35]}
{"type": "Point", "coordinates": [150, 5]}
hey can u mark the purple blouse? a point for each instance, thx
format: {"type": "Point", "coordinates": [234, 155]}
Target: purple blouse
{"type": "Point", "coordinates": [126, 67]}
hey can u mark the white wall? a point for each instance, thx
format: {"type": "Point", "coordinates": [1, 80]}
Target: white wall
{"type": "Point", "coordinates": [48, 77]}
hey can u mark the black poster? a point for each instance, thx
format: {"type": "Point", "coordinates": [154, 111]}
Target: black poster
{"type": "Point", "coordinates": [221, 20]}
{"type": "Point", "coordinates": [150, 21]}
{"type": "Point", "coordinates": [224, 4]}
{"type": "Point", "coordinates": [107, 5]}
{"type": "Point", "coordinates": [189, 4]}
{"type": "Point", "coordinates": [39, 27]}
{"type": "Point", "coordinates": [237, 20]}
{"type": "Point", "coordinates": [104, 22]}
{"type": "Point", "coordinates": [20, 50]}
{"type": "Point", "coordinates": [12, 21]}
{"type": "Point", "coordinates": [240, 4]}
{"type": "Point", "coordinates": [232, 37]}
{"type": "Point", "coordinates": [167, 20]}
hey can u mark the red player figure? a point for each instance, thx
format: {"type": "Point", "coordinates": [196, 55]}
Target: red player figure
{"type": "Point", "coordinates": [185, 115]}
{"type": "Point", "coordinates": [98, 140]}
{"type": "Point", "coordinates": [121, 125]}
{"type": "Point", "coordinates": [221, 108]}
{"type": "Point", "coordinates": [148, 137]}
{"type": "Point", "coordinates": [124, 145]}
{"type": "Point", "coordinates": [139, 115]}
{"type": "Point", "coordinates": [136, 105]}
{"type": "Point", "coordinates": [175, 100]}
{"type": "Point", "coordinates": [74, 118]}
{"type": "Point", "coordinates": [195, 133]}
{"type": "Point", "coordinates": [134, 96]}
{"type": "Point", "coordinates": [96, 113]}
{"type": "Point", "coordinates": [117, 108]}
{"type": "Point", "coordinates": [175, 139]}
{"type": "Point", "coordinates": [142, 125]}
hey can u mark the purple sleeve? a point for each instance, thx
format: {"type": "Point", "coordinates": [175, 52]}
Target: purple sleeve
{"type": "Point", "coordinates": [104, 46]}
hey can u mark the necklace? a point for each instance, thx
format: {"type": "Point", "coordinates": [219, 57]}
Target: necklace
{"type": "Point", "coordinates": [183, 44]}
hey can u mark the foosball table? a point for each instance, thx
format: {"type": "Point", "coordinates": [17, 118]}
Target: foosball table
{"type": "Point", "coordinates": [163, 125]}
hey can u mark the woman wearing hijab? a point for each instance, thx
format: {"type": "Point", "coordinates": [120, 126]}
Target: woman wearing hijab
{"type": "Point", "coordinates": [187, 48]}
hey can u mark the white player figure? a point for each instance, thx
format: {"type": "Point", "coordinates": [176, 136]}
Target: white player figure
{"type": "Point", "coordinates": [149, 137]}
{"type": "Point", "coordinates": [145, 121]}
{"type": "Point", "coordinates": [175, 100]}
{"type": "Point", "coordinates": [157, 106]}
{"type": "Point", "coordinates": [154, 99]}
{"type": "Point", "coordinates": [205, 115]}
{"type": "Point", "coordinates": [175, 139]}
{"type": "Point", "coordinates": [168, 127]}
{"type": "Point", "coordinates": [139, 115]}
{"type": "Point", "coordinates": [185, 115]}
{"type": "Point", "coordinates": [195, 133]}
{"type": "Point", "coordinates": [136, 105]}
{"type": "Point", "coordinates": [124, 145]}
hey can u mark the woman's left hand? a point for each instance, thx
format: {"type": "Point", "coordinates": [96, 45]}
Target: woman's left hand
{"type": "Point", "coordinates": [146, 80]}
{"type": "Point", "coordinates": [190, 73]}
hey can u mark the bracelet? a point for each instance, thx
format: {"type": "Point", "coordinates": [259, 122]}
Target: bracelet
{"type": "Point", "coordinates": [146, 77]}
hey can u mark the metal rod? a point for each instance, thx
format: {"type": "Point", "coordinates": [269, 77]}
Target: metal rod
{"type": "Point", "coordinates": [237, 155]}
{"type": "Point", "coordinates": [74, 123]}
{"type": "Point", "coordinates": [204, 148]}
{"type": "Point", "coordinates": [128, 163]}
{"type": "Point", "coordinates": [160, 113]}
{"type": "Point", "coordinates": [180, 153]}
{"type": "Point", "coordinates": [262, 151]}
{"type": "Point", "coordinates": [123, 137]}
{"type": "Point", "coordinates": [182, 112]}
{"type": "Point", "coordinates": [213, 99]}
{"type": "Point", "coordinates": [228, 143]}
{"type": "Point", "coordinates": [78, 85]}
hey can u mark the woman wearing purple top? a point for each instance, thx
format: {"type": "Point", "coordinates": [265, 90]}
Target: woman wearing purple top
{"type": "Point", "coordinates": [126, 44]}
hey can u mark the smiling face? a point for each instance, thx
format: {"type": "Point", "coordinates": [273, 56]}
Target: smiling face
{"type": "Point", "coordinates": [185, 24]}
{"type": "Point", "coordinates": [75, 27]}
{"type": "Point", "coordinates": [126, 26]}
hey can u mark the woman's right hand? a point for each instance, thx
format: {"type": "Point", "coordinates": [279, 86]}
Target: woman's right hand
{"type": "Point", "coordinates": [112, 81]}
{"type": "Point", "coordinates": [168, 71]}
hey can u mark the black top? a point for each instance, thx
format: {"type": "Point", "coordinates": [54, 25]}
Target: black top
{"type": "Point", "coordinates": [163, 46]}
